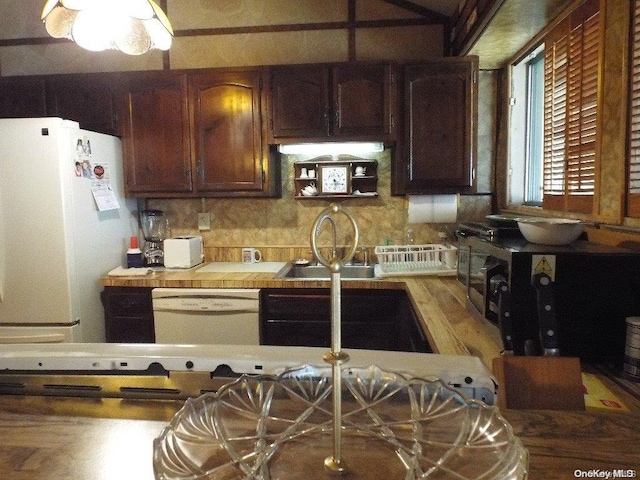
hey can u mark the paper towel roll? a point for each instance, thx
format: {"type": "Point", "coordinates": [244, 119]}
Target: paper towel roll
{"type": "Point", "coordinates": [433, 208]}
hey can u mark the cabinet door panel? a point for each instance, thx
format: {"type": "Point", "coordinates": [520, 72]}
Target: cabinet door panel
{"type": "Point", "coordinates": [297, 334]}
{"type": "Point", "coordinates": [430, 140]}
{"type": "Point", "coordinates": [300, 101]}
{"type": "Point", "coordinates": [227, 130]}
{"type": "Point", "coordinates": [440, 110]}
{"type": "Point", "coordinates": [88, 101]}
{"type": "Point", "coordinates": [128, 313]}
{"type": "Point", "coordinates": [156, 136]}
{"type": "Point", "coordinates": [362, 100]}
{"type": "Point", "coordinates": [22, 97]}
{"type": "Point", "coordinates": [369, 318]}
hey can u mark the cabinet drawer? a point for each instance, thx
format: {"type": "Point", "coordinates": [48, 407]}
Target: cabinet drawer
{"type": "Point", "coordinates": [358, 305]}
{"type": "Point", "coordinates": [305, 304]}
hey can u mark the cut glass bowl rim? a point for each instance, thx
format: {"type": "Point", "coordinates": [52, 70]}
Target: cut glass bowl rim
{"type": "Point", "coordinates": [171, 459]}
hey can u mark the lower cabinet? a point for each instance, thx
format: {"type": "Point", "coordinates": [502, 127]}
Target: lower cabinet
{"type": "Point", "coordinates": [371, 319]}
{"type": "Point", "coordinates": [128, 313]}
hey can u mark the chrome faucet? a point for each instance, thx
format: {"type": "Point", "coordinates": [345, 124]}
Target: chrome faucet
{"type": "Point", "coordinates": [365, 255]}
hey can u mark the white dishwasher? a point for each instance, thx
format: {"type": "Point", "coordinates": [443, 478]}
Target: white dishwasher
{"type": "Point", "coordinates": [203, 316]}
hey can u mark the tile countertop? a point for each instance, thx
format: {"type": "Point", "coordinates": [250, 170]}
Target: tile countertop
{"type": "Point", "coordinates": [439, 302]}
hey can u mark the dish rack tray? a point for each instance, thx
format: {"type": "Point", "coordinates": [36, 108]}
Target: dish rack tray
{"type": "Point", "coordinates": [403, 260]}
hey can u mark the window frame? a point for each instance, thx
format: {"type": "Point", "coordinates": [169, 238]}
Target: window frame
{"type": "Point", "coordinates": [534, 134]}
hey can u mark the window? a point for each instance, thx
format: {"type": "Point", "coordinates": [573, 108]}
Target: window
{"type": "Point", "coordinates": [535, 130]}
{"type": "Point", "coordinates": [553, 134]}
{"type": "Point", "coordinates": [526, 138]}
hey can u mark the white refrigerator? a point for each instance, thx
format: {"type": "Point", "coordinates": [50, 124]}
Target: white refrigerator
{"type": "Point", "coordinates": [64, 223]}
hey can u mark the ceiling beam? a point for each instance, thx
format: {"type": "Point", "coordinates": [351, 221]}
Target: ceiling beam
{"type": "Point", "coordinates": [299, 27]}
{"type": "Point", "coordinates": [420, 10]}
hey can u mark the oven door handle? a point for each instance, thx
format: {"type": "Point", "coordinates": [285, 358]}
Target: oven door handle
{"type": "Point", "coordinates": [489, 273]}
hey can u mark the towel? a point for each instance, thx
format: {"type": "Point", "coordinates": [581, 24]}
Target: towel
{"type": "Point", "coordinates": [126, 272]}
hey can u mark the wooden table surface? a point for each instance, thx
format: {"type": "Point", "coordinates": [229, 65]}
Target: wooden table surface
{"type": "Point", "coordinates": [561, 444]}
{"type": "Point", "coordinates": [61, 438]}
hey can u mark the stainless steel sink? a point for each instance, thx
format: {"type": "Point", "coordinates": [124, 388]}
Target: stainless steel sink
{"type": "Point", "coordinates": [319, 272]}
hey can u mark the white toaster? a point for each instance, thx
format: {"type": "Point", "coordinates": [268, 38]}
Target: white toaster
{"type": "Point", "coordinates": [183, 252]}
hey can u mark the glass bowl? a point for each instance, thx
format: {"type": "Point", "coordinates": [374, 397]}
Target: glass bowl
{"type": "Point", "coordinates": [393, 427]}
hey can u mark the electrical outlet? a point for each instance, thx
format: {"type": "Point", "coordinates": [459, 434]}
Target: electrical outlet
{"type": "Point", "coordinates": [204, 221]}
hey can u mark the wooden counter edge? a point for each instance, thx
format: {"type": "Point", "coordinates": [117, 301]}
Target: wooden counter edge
{"type": "Point", "coordinates": [426, 294]}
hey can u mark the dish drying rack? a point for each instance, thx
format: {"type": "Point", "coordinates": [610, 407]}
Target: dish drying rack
{"type": "Point", "coordinates": [403, 260]}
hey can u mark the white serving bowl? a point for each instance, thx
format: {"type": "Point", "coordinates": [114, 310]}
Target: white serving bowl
{"type": "Point", "coordinates": [550, 231]}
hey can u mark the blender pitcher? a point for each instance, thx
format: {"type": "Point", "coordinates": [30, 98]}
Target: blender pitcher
{"type": "Point", "coordinates": [155, 228]}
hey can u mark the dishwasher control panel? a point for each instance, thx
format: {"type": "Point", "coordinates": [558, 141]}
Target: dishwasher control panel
{"type": "Point", "coordinates": [205, 300]}
{"type": "Point", "coordinates": [206, 316]}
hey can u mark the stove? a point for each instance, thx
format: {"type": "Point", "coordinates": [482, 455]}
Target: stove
{"type": "Point", "coordinates": [156, 371]}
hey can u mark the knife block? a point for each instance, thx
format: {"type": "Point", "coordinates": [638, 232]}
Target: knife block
{"type": "Point", "coordinates": [539, 383]}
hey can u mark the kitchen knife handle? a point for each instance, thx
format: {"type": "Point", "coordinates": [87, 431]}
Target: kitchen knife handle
{"type": "Point", "coordinates": [546, 313]}
{"type": "Point", "coordinates": [505, 322]}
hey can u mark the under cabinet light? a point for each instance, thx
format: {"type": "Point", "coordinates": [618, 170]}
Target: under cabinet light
{"type": "Point", "coordinates": [131, 26]}
{"type": "Point", "coordinates": [331, 148]}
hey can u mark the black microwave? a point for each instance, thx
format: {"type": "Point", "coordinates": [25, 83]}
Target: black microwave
{"type": "Point", "coordinates": [568, 300]}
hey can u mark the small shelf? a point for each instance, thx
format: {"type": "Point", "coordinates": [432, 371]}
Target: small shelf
{"type": "Point", "coordinates": [336, 178]}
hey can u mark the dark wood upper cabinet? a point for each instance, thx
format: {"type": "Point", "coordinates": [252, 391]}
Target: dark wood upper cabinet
{"type": "Point", "coordinates": [228, 141]}
{"type": "Point", "coordinates": [300, 101]}
{"type": "Point", "coordinates": [189, 134]}
{"type": "Point", "coordinates": [345, 102]}
{"type": "Point", "coordinates": [364, 96]}
{"type": "Point", "coordinates": [438, 154]}
{"type": "Point", "coordinates": [87, 100]}
{"type": "Point", "coordinates": [155, 132]}
{"type": "Point", "coordinates": [22, 97]}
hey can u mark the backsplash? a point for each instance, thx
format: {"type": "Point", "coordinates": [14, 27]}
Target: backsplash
{"type": "Point", "coordinates": [282, 226]}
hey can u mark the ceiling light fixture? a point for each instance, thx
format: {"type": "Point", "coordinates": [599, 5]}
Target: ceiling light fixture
{"type": "Point", "coordinates": [132, 26]}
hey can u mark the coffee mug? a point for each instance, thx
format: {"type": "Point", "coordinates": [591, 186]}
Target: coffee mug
{"type": "Point", "coordinates": [251, 255]}
{"type": "Point", "coordinates": [311, 173]}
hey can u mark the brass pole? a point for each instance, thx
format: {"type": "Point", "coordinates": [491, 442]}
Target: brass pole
{"type": "Point", "coordinates": [336, 357]}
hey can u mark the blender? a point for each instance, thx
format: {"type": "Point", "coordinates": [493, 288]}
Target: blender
{"type": "Point", "coordinates": [155, 228]}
